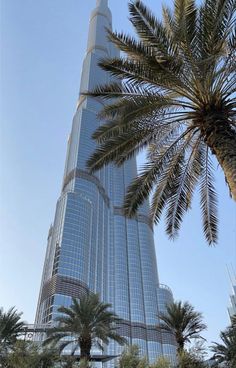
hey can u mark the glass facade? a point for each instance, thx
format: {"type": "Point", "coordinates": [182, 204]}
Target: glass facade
{"type": "Point", "coordinates": [91, 245]}
{"type": "Point", "coordinates": [232, 307]}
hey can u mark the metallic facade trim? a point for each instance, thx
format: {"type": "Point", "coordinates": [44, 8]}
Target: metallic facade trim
{"type": "Point", "coordinates": [96, 12]}
{"type": "Point", "coordinates": [68, 286]}
{"type": "Point", "coordinates": [96, 47]}
{"type": "Point", "coordinates": [136, 330]}
{"type": "Point", "coordinates": [78, 173]}
{"type": "Point", "coordinates": [63, 285]}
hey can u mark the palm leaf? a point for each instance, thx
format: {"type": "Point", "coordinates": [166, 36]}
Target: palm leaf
{"type": "Point", "coordinates": [183, 182]}
{"type": "Point", "coordinates": [136, 72]}
{"type": "Point", "coordinates": [165, 189]}
{"type": "Point", "coordinates": [149, 30]}
{"type": "Point", "coordinates": [142, 186]}
{"type": "Point", "coordinates": [208, 202]}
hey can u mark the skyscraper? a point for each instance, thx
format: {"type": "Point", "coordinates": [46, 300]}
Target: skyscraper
{"type": "Point", "coordinates": [91, 245]}
{"type": "Point", "coordinates": [232, 307]}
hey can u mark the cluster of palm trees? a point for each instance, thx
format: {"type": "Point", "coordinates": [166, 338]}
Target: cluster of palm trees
{"type": "Point", "coordinates": [130, 358]}
{"type": "Point", "coordinates": [85, 324]}
{"type": "Point", "coordinates": [186, 324]}
{"type": "Point", "coordinates": [15, 352]}
{"type": "Point", "coordinates": [90, 323]}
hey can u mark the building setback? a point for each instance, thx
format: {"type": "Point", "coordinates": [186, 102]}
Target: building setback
{"type": "Point", "coordinates": [91, 245]}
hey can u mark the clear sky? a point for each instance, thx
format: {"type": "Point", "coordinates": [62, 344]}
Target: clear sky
{"type": "Point", "coordinates": [42, 47]}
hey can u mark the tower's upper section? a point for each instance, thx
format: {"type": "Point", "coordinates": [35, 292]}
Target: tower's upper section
{"type": "Point", "coordinates": [102, 3]}
{"type": "Point", "coordinates": [98, 46]}
{"type": "Point", "coordinates": [100, 20]}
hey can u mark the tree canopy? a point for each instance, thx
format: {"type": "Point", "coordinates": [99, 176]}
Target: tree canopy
{"type": "Point", "coordinates": [172, 93]}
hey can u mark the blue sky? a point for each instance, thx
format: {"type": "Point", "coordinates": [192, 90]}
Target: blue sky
{"type": "Point", "coordinates": [42, 48]}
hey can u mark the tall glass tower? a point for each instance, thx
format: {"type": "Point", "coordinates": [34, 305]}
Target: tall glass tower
{"type": "Point", "coordinates": [91, 245]}
{"type": "Point", "coordinates": [232, 307]}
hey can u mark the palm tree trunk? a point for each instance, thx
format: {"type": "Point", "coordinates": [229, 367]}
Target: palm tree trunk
{"type": "Point", "coordinates": [180, 353]}
{"type": "Point", "coordinates": [85, 349]}
{"type": "Point", "coordinates": [221, 138]}
{"type": "Point", "coordinates": [180, 349]}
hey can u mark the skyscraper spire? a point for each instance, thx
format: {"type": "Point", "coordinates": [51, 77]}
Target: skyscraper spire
{"type": "Point", "coordinates": [102, 2]}
{"type": "Point", "coordinates": [98, 46]}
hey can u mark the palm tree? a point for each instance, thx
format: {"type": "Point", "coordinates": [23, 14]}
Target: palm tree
{"type": "Point", "coordinates": [162, 362]}
{"type": "Point", "coordinates": [47, 358]}
{"type": "Point", "coordinates": [174, 94]}
{"type": "Point", "coordinates": [183, 322]}
{"type": "Point", "coordinates": [189, 360]}
{"type": "Point", "coordinates": [68, 361]}
{"type": "Point", "coordinates": [11, 327]}
{"type": "Point", "coordinates": [226, 351]}
{"type": "Point", "coordinates": [130, 358]}
{"type": "Point", "coordinates": [26, 354]}
{"type": "Point", "coordinates": [233, 321]}
{"type": "Point", "coordinates": [83, 324]}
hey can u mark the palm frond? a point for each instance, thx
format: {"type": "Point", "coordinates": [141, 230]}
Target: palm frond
{"type": "Point", "coordinates": [191, 17]}
{"type": "Point", "coordinates": [215, 16]}
{"type": "Point", "coordinates": [144, 113]}
{"type": "Point", "coordinates": [208, 202]}
{"type": "Point", "coordinates": [65, 344]}
{"type": "Point", "coordinates": [116, 148]}
{"type": "Point", "coordinates": [195, 169]}
{"type": "Point", "coordinates": [142, 186]}
{"type": "Point", "coordinates": [133, 48]}
{"type": "Point", "coordinates": [183, 181]}
{"type": "Point", "coordinates": [232, 41]}
{"type": "Point", "coordinates": [55, 337]}
{"type": "Point", "coordinates": [120, 139]}
{"type": "Point", "coordinates": [184, 12]}
{"type": "Point", "coordinates": [168, 22]}
{"type": "Point", "coordinates": [66, 311]}
{"type": "Point", "coordinates": [149, 29]}
{"type": "Point", "coordinates": [225, 352]}
{"type": "Point", "coordinates": [164, 188]}
{"type": "Point", "coordinates": [11, 326]}
{"type": "Point", "coordinates": [159, 75]}
{"type": "Point", "coordinates": [134, 107]}
{"type": "Point", "coordinates": [225, 16]}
